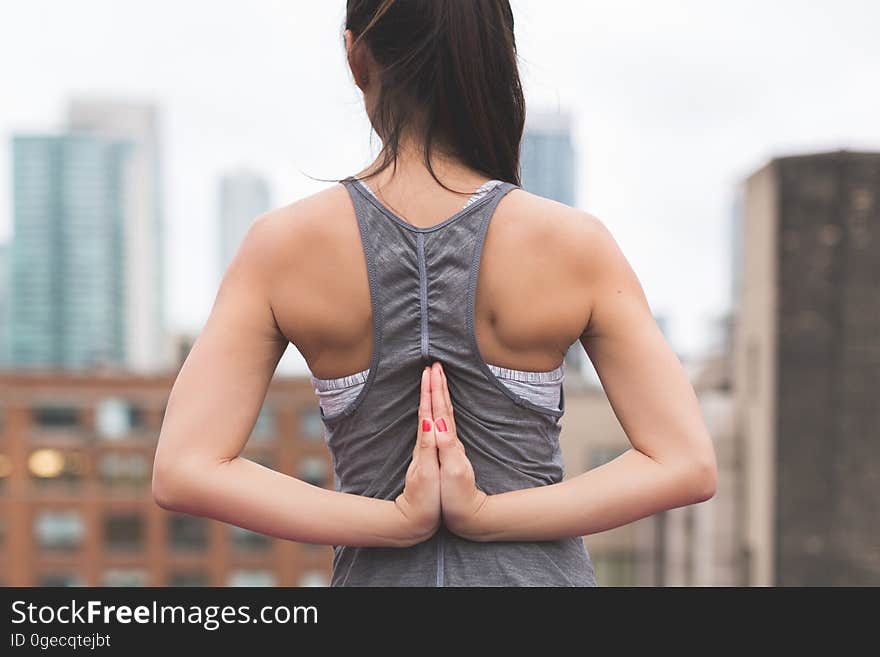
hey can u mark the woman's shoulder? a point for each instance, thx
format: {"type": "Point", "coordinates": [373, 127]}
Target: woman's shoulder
{"type": "Point", "coordinates": [309, 216]}
{"type": "Point", "coordinates": [290, 254]}
{"type": "Point", "coordinates": [570, 233]}
{"type": "Point", "coordinates": [296, 227]}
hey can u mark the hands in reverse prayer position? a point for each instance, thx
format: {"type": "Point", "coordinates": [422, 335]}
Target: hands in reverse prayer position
{"type": "Point", "coordinates": [440, 479]}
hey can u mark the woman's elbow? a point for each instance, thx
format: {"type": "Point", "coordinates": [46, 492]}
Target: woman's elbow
{"type": "Point", "coordinates": [169, 483]}
{"type": "Point", "coordinates": [163, 486]}
{"type": "Point", "coordinates": [703, 477]}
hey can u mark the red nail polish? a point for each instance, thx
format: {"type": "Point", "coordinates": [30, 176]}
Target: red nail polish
{"type": "Point", "coordinates": [441, 424]}
{"type": "Point", "coordinates": [426, 425]}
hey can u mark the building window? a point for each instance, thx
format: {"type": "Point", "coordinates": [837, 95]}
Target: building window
{"type": "Point", "coordinates": [187, 533]}
{"type": "Point", "coordinates": [264, 427]}
{"type": "Point", "coordinates": [124, 577]}
{"type": "Point", "coordinates": [124, 531]}
{"type": "Point", "coordinates": [314, 578]}
{"type": "Point", "coordinates": [124, 470]}
{"type": "Point", "coordinates": [54, 466]}
{"type": "Point", "coordinates": [245, 540]}
{"type": "Point", "coordinates": [61, 578]}
{"type": "Point", "coordinates": [117, 418]}
{"type": "Point", "coordinates": [311, 427]}
{"type": "Point", "coordinates": [189, 578]}
{"type": "Point", "coordinates": [59, 530]}
{"type": "Point", "coordinates": [314, 470]}
{"type": "Point", "coordinates": [248, 577]}
{"type": "Point", "coordinates": [52, 416]}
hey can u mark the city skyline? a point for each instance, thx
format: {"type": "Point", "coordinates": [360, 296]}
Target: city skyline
{"type": "Point", "coordinates": [671, 111]}
{"type": "Point", "coordinates": [736, 163]}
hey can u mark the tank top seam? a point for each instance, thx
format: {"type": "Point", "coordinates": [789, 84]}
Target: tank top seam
{"type": "Point", "coordinates": [375, 307]}
{"type": "Point", "coordinates": [423, 298]}
{"type": "Point", "coordinates": [441, 559]}
{"type": "Point", "coordinates": [354, 182]}
{"type": "Point", "coordinates": [518, 399]}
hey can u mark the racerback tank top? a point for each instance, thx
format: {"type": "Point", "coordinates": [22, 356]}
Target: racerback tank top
{"type": "Point", "coordinates": [422, 284]}
{"type": "Point", "coordinates": [543, 388]}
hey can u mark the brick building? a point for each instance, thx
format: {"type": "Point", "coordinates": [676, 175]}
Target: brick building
{"type": "Point", "coordinates": [76, 506]}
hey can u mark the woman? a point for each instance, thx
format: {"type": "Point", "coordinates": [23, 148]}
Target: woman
{"type": "Point", "coordinates": [434, 301]}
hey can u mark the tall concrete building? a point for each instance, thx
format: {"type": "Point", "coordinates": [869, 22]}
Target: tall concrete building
{"type": "Point", "coordinates": [137, 124]}
{"type": "Point", "coordinates": [243, 196]}
{"type": "Point", "coordinates": [807, 369]}
{"type": "Point", "coordinates": [547, 168]}
{"type": "Point", "coordinates": [68, 299]}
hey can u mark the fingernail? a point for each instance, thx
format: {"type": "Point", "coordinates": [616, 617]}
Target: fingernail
{"type": "Point", "coordinates": [441, 425]}
{"type": "Point", "coordinates": [426, 425]}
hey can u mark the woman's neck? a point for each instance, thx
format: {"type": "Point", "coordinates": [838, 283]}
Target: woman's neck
{"type": "Point", "coordinates": [411, 171]}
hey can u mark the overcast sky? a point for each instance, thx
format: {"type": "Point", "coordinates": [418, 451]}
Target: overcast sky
{"type": "Point", "coordinates": [674, 102]}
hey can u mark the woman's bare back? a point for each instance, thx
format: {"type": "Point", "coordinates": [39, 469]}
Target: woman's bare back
{"type": "Point", "coordinates": [531, 302]}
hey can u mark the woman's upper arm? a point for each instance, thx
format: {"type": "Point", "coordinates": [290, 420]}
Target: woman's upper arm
{"type": "Point", "coordinates": [221, 387]}
{"type": "Point", "coordinates": [642, 377]}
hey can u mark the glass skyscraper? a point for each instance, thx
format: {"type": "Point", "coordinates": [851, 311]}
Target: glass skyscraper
{"type": "Point", "coordinates": [547, 157]}
{"type": "Point", "coordinates": [137, 123]}
{"type": "Point", "coordinates": [67, 300]}
{"type": "Point", "coordinates": [243, 196]}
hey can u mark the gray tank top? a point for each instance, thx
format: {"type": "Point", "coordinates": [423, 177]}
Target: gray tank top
{"type": "Point", "coordinates": [541, 387]}
{"type": "Point", "coordinates": [422, 285]}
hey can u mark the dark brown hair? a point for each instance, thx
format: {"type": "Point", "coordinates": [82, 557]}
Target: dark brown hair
{"type": "Point", "coordinates": [447, 73]}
